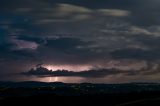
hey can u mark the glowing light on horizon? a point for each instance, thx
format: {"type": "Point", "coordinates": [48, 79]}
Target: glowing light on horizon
{"type": "Point", "coordinates": [68, 67]}
{"type": "Point", "coordinates": [50, 79]}
{"type": "Point", "coordinates": [53, 80]}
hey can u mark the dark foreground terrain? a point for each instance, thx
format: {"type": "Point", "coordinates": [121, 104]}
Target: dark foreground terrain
{"type": "Point", "coordinates": [39, 93]}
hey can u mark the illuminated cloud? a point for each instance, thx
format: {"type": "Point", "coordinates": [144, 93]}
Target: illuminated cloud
{"type": "Point", "coordinates": [20, 44]}
{"type": "Point", "coordinates": [68, 13]}
{"type": "Point", "coordinates": [68, 9]}
{"type": "Point", "coordinates": [114, 12]}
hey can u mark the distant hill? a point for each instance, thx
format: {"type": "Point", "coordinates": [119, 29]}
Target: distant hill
{"type": "Point", "coordinates": [58, 93]}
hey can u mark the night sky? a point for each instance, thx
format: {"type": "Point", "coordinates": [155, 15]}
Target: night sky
{"type": "Point", "coordinates": [80, 35]}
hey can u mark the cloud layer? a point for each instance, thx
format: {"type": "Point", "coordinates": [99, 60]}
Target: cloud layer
{"type": "Point", "coordinates": [92, 33]}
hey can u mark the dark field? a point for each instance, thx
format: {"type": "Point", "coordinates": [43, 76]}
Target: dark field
{"type": "Point", "coordinates": [131, 94]}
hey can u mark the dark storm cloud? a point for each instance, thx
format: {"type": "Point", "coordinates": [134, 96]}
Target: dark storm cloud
{"type": "Point", "coordinates": [88, 73]}
{"type": "Point", "coordinates": [8, 54]}
{"type": "Point", "coordinates": [151, 69]}
{"type": "Point", "coordinates": [64, 44]}
{"type": "Point", "coordinates": [79, 32]}
{"type": "Point", "coordinates": [151, 53]}
{"type": "Point", "coordinates": [136, 54]}
{"type": "Point", "coordinates": [38, 40]}
{"type": "Point", "coordinates": [150, 41]}
{"type": "Point", "coordinates": [66, 48]}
